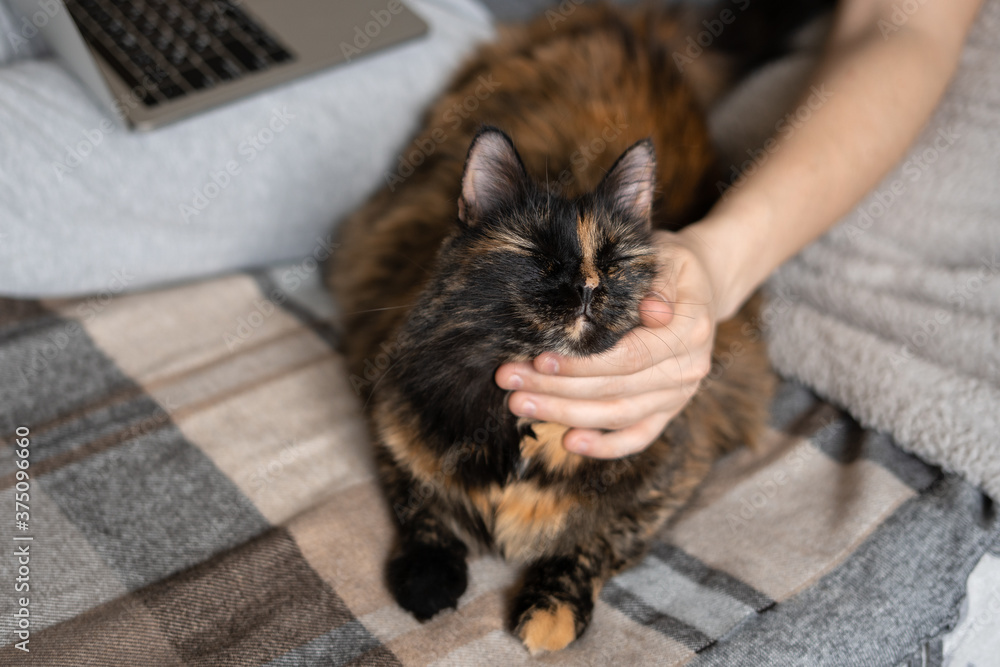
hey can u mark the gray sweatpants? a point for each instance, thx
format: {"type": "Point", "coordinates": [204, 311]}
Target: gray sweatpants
{"type": "Point", "coordinates": [87, 206]}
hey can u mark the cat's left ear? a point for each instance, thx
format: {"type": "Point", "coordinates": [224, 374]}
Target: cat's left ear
{"type": "Point", "coordinates": [629, 186]}
{"type": "Point", "coordinates": [493, 176]}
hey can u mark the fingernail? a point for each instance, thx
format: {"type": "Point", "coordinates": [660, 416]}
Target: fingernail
{"type": "Point", "coordinates": [579, 445]}
{"type": "Point", "coordinates": [527, 409]}
{"type": "Point", "coordinates": [515, 382]}
{"type": "Point", "coordinates": [550, 365]}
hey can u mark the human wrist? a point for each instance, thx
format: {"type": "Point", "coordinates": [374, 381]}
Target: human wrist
{"type": "Point", "coordinates": [732, 243]}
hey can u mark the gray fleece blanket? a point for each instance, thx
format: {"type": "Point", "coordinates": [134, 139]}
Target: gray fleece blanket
{"type": "Point", "coordinates": [895, 313]}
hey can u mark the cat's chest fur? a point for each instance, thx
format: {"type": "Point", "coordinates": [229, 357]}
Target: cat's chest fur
{"type": "Point", "coordinates": [524, 511]}
{"type": "Point", "coordinates": [528, 515]}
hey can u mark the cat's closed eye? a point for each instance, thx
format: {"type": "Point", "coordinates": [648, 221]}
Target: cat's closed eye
{"type": "Point", "coordinates": [547, 263]}
{"type": "Point", "coordinates": [615, 264]}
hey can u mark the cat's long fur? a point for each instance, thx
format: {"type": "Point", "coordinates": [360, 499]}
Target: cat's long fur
{"type": "Point", "coordinates": [422, 342]}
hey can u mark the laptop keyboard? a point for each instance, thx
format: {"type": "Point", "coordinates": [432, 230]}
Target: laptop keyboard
{"type": "Point", "coordinates": [165, 49]}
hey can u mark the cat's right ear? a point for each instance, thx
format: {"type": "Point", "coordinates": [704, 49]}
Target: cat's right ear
{"type": "Point", "coordinates": [493, 176]}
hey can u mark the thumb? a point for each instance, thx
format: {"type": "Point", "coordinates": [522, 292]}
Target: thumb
{"type": "Point", "coordinates": [655, 311]}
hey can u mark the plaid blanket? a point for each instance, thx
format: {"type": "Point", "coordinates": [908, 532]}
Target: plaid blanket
{"type": "Point", "coordinates": [186, 480]}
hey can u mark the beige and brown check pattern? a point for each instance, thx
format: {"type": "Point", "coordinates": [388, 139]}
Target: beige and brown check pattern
{"type": "Point", "coordinates": [202, 492]}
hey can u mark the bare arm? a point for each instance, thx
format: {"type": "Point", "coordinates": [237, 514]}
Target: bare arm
{"type": "Point", "coordinates": [883, 81]}
{"type": "Point", "coordinates": [883, 76]}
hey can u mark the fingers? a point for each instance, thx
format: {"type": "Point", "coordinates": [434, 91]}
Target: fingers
{"type": "Point", "coordinates": [615, 444]}
{"type": "Point", "coordinates": [606, 415]}
{"type": "Point", "coordinates": [639, 350]}
{"type": "Point", "coordinates": [644, 360]}
{"type": "Point", "coordinates": [523, 376]}
{"type": "Point", "coordinates": [671, 372]}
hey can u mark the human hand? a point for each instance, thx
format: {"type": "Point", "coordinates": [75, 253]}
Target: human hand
{"type": "Point", "coordinates": [618, 402]}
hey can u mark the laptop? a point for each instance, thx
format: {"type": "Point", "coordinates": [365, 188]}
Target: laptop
{"type": "Point", "coordinates": [151, 62]}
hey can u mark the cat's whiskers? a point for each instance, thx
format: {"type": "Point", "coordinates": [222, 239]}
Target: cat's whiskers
{"type": "Point", "coordinates": [548, 193]}
{"type": "Point", "coordinates": [635, 339]}
{"type": "Point", "coordinates": [677, 303]}
{"type": "Point", "coordinates": [669, 346]}
{"type": "Point", "coordinates": [690, 317]}
{"type": "Point", "coordinates": [419, 265]}
{"type": "Point", "coordinates": [379, 381]}
{"type": "Point", "coordinates": [404, 351]}
{"type": "Point", "coordinates": [375, 310]}
{"type": "Point", "coordinates": [686, 349]}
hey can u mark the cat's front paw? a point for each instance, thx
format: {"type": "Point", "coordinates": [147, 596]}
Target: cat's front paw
{"type": "Point", "coordinates": [549, 624]}
{"type": "Point", "coordinates": [426, 579]}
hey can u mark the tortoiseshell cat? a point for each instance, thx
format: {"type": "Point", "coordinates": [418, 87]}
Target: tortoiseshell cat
{"type": "Point", "coordinates": [486, 253]}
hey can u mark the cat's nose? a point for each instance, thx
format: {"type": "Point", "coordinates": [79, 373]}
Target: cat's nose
{"type": "Point", "coordinates": [586, 294]}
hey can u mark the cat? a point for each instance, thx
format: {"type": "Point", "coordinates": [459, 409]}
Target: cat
{"type": "Point", "coordinates": [519, 222]}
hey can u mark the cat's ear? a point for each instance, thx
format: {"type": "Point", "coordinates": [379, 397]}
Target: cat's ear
{"type": "Point", "coordinates": [494, 174]}
{"type": "Point", "coordinates": [629, 186]}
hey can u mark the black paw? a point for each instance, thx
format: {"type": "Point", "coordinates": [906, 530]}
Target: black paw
{"type": "Point", "coordinates": [425, 579]}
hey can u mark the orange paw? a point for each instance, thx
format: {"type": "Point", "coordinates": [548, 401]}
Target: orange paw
{"type": "Point", "coordinates": [547, 629]}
